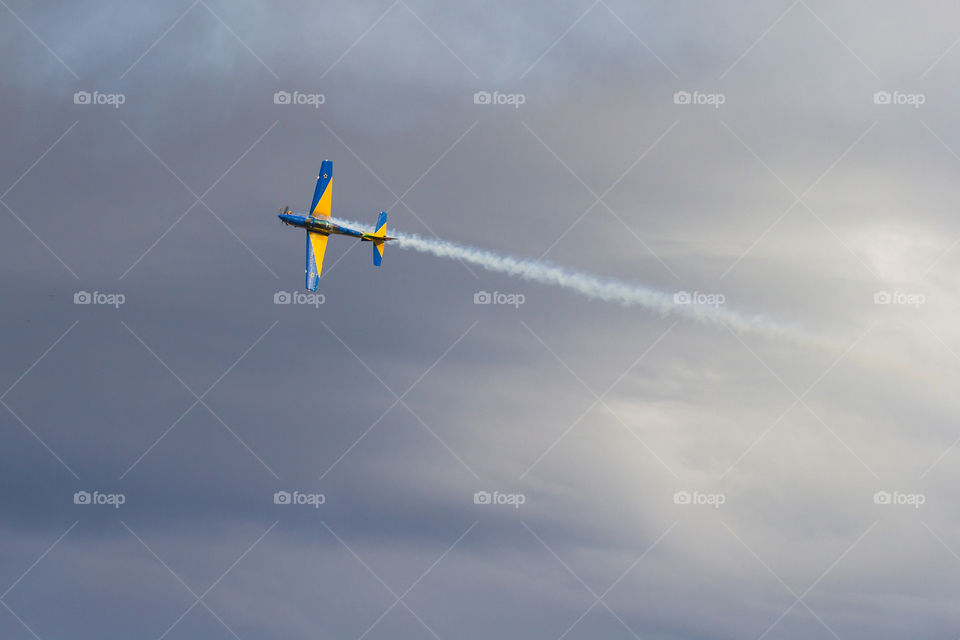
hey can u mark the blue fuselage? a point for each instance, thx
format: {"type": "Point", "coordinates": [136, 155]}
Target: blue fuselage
{"type": "Point", "coordinates": [320, 225]}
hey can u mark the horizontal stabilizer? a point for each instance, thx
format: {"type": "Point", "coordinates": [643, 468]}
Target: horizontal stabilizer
{"type": "Point", "coordinates": [380, 232]}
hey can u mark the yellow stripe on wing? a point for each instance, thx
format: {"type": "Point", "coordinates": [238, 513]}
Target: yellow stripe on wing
{"type": "Point", "coordinates": [325, 203]}
{"type": "Point", "coordinates": [319, 243]}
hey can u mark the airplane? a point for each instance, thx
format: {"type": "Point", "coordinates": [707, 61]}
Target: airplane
{"type": "Point", "coordinates": [319, 227]}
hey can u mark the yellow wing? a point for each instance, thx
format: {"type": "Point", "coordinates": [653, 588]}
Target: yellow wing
{"type": "Point", "coordinates": [319, 243]}
{"type": "Point", "coordinates": [316, 247]}
{"type": "Point", "coordinates": [322, 204]}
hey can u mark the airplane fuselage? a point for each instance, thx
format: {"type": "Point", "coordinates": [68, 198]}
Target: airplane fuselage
{"type": "Point", "coordinates": [322, 225]}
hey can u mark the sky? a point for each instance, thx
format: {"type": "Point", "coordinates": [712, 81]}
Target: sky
{"type": "Point", "coordinates": [441, 448]}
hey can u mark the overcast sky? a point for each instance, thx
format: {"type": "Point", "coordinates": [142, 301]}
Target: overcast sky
{"type": "Point", "coordinates": [648, 476]}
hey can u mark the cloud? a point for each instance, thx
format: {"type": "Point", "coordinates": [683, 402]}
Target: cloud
{"type": "Point", "coordinates": [592, 410]}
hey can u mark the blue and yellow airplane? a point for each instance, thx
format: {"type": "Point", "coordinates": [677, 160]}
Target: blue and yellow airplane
{"type": "Point", "coordinates": [319, 227]}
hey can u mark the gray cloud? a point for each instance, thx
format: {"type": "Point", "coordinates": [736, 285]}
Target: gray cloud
{"type": "Point", "coordinates": [691, 197]}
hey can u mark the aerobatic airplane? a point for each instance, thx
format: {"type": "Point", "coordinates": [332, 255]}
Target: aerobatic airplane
{"type": "Point", "coordinates": [319, 227]}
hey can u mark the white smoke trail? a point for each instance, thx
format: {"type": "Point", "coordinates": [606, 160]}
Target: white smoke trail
{"type": "Point", "coordinates": [605, 289]}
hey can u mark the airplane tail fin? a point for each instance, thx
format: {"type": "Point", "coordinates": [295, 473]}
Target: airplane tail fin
{"type": "Point", "coordinates": [379, 238]}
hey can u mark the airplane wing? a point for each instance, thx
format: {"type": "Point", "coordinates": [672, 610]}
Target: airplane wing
{"type": "Point", "coordinates": [316, 247]}
{"type": "Point", "coordinates": [322, 204]}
